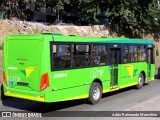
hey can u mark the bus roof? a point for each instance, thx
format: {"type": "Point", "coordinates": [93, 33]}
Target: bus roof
{"type": "Point", "coordinates": [101, 40]}
{"type": "Point", "coordinates": [77, 38]}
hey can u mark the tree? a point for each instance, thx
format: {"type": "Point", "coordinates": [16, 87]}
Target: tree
{"type": "Point", "coordinates": [58, 5]}
{"type": "Point", "coordinates": [131, 17]}
{"type": "Point", "coordinates": [135, 17]}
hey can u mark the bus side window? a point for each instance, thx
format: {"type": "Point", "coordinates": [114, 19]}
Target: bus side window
{"type": "Point", "coordinates": [81, 55]}
{"type": "Point", "coordinates": [61, 57]}
{"type": "Point", "coordinates": [54, 50]}
{"type": "Point", "coordinates": [143, 52]}
{"type": "Point", "coordinates": [56, 62]}
{"type": "Point", "coordinates": [126, 55]}
{"type": "Point", "coordinates": [77, 58]}
{"type": "Point", "coordinates": [131, 51]}
{"type": "Point", "coordinates": [135, 53]}
{"type": "Point", "coordinates": [100, 55]}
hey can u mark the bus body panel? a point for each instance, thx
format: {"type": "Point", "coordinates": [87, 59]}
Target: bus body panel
{"type": "Point", "coordinates": [23, 64]}
{"type": "Point", "coordinates": [130, 73]}
{"type": "Point", "coordinates": [75, 83]}
{"type": "Point", "coordinates": [152, 72]}
{"type": "Point", "coordinates": [27, 58]}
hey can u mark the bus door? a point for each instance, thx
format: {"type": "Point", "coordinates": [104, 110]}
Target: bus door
{"type": "Point", "coordinates": [114, 60]}
{"type": "Point", "coordinates": [150, 61]}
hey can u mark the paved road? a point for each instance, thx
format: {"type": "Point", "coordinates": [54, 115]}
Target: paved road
{"type": "Point", "coordinates": [130, 99]}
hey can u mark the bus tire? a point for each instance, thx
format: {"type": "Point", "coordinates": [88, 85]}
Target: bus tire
{"type": "Point", "coordinates": [2, 93]}
{"type": "Point", "coordinates": [95, 93]}
{"type": "Point", "coordinates": [140, 81]}
{"type": "Point", "coordinates": [3, 97]}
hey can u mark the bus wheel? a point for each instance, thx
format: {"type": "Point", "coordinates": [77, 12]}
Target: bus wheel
{"type": "Point", "coordinates": [140, 81]}
{"type": "Point", "coordinates": [2, 94]}
{"type": "Point", "coordinates": [95, 93]}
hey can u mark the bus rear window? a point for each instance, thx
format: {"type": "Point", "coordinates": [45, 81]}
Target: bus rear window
{"type": "Point", "coordinates": [24, 49]}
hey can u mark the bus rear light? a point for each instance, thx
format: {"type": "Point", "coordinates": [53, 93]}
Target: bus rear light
{"type": "Point", "coordinates": [4, 78]}
{"type": "Point", "coordinates": [44, 82]}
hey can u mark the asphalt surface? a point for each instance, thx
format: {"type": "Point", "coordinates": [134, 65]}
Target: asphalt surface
{"type": "Point", "coordinates": [128, 99]}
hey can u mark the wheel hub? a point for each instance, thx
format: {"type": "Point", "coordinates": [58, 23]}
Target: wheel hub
{"type": "Point", "coordinates": [140, 81]}
{"type": "Point", "coordinates": [96, 93]}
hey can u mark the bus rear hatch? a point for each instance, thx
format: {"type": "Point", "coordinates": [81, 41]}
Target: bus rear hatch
{"type": "Point", "coordinates": [23, 60]}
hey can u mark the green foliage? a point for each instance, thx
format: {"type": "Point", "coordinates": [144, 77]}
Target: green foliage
{"type": "Point", "coordinates": [132, 17]}
{"type": "Point", "coordinates": [135, 17]}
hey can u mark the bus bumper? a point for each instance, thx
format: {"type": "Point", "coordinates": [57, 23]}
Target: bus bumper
{"type": "Point", "coordinates": [25, 94]}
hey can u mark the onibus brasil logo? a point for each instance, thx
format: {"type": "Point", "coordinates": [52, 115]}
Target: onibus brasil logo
{"type": "Point", "coordinates": [27, 72]}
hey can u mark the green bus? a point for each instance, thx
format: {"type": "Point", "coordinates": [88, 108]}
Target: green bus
{"type": "Point", "coordinates": [51, 67]}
